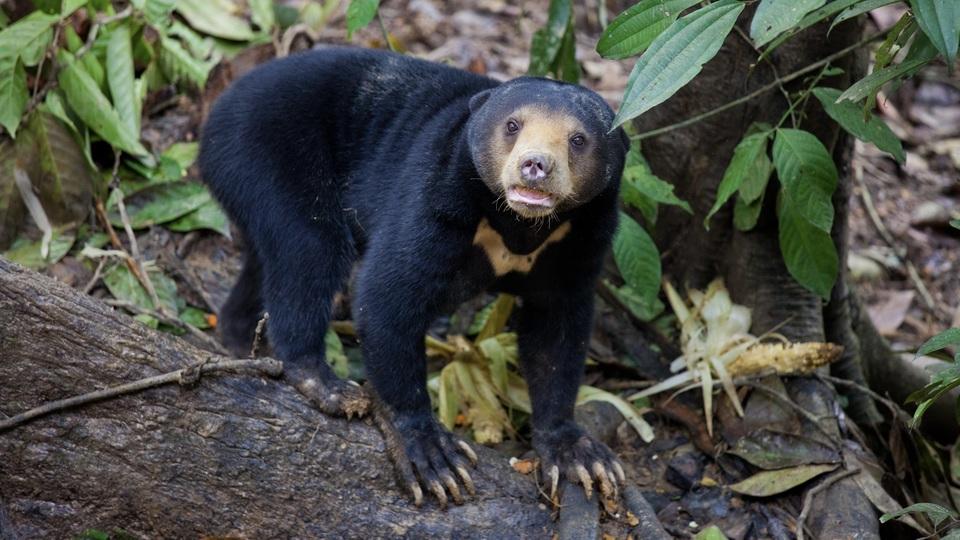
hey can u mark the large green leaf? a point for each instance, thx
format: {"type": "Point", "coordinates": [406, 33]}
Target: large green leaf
{"type": "Point", "coordinates": [676, 56]}
{"type": "Point", "coordinates": [809, 20]}
{"type": "Point", "coordinates": [212, 17]}
{"type": "Point", "coordinates": [869, 85]}
{"type": "Point", "coordinates": [123, 285]}
{"type": "Point", "coordinates": [261, 12]}
{"type": "Point", "coordinates": [636, 28]}
{"type": "Point", "coordinates": [940, 21]}
{"type": "Point", "coordinates": [859, 9]}
{"type": "Point", "coordinates": [643, 307]}
{"type": "Point", "coordinates": [749, 161]}
{"type": "Point", "coordinates": [178, 64]}
{"type": "Point", "coordinates": [28, 253]}
{"type": "Point", "coordinates": [773, 17]}
{"type": "Point", "coordinates": [161, 203]}
{"type": "Point", "coordinates": [54, 160]}
{"type": "Point", "coordinates": [548, 41]}
{"type": "Point", "coordinates": [95, 109]}
{"type": "Point", "coordinates": [157, 12]}
{"type": "Point", "coordinates": [360, 13]}
{"type": "Point", "coordinates": [209, 216]}
{"type": "Point", "coordinates": [120, 78]}
{"type": "Point", "coordinates": [808, 251]}
{"type": "Point", "coordinates": [851, 118]}
{"type": "Point", "coordinates": [746, 214]}
{"type": "Point", "coordinates": [947, 338]}
{"type": "Point", "coordinates": [642, 179]}
{"type": "Point", "coordinates": [24, 33]}
{"type": "Point", "coordinates": [808, 175]}
{"type": "Point", "coordinates": [769, 483]}
{"type": "Point", "coordinates": [637, 258]}
{"type": "Point", "coordinates": [13, 93]}
{"type": "Point", "coordinates": [937, 514]}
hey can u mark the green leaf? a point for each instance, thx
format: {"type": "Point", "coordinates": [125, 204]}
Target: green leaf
{"type": "Point", "coordinates": [13, 93]}
{"type": "Point", "coordinates": [69, 6]}
{"type": "Point", "coordinates": [809, 20]}
{"type": "Point", "coordinates": [11, 205]}
{"type": "Point", "coordinates": [23, 34]}
{"type": "Point", "coordinates": [955, 223]}
{"type": "Point", "coordinates": [53, 104]}
{"type": "Point", "coordinates": [710, 533]}
{"type": "Point", "coordinates": [940, 21]}
{"type": "Point", "coordinates": [261, 12]}
{"type": "Point", "coordinates": [641, 178]}
{"type": "Point", "coordinates": [935, 512]}
{"type": "Point", "coordinates": [676, 56]}
{"type": "Point", "coordinates": [209, 216]}
{"type": "Point", "coordinates": [123, 285]}
{"type": "Point", "coordinates": [195, 317]}
{"type": "Point", "coordinates": [947, 338]}
{"type": "Point", "coordinates": [808, 175]}
{"type": "Point", "coordinates": [27, 253]}
{"type": "Point", "coordinates": [548, 41]}
{"type": "Point", "coordinates": [749, 161]}
{"type": "Point", "coordinates": [120, 78]}
{"type": "Point", "coordinates": [869, 85]}
{"type": "Point", "coordinates": [851, 118]}
{"type": "Point", "coordinates": [178, 64]}
{"type": "Point", "coordinates": [633, 197]}
{"type": "Point", "coordinates": [157, 12]}
{"type": "Point", "coordinates": [94, 108]}
{"type": "Point", "coordinates": [184, 154]}
{"type": "Point", "coordinates": [161, 203]}
{"type": "Point", "coordinates": [637, 258]}
{"type": "Point", "coordinates": [360, 13]}
{"type": "Point", "coordinates": [860, 9]}
{"type": "Point", "coordinates": [634, 29]}
{"type": "Point", "coordinates": [335, 355]}
{"type": "Point", "coordinates": [746, 214]}
{"type": "Point", "coordinates": [54, 160]}
{"type": "Point", "coordinates": [211, 17]}
{"type": "Point", "coordinates": [645, 308]}
{"type": "Point", "coordinates": [808, 251]}
{"type": "Point", "coordinates": [773, 17]}
{"type": "Point", "coordinates": [34, 51]}
{"type": "Point", "coordinates": [769, 483]}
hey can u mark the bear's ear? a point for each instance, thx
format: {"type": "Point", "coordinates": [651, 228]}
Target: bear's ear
{"type": "Point", "coordinates": [478, 100]}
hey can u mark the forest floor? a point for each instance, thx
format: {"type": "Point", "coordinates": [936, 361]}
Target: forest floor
{"type": "Point", "coordinates": [913, 204]}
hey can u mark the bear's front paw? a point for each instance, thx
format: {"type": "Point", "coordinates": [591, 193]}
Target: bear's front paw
{"type": "Point", "coordinates": [583, 460]}
{"type": "Point", "coordinates": [420, 448]}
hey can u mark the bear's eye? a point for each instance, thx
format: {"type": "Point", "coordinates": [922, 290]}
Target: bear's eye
{"type": "Point", "coordinates": [578, 140]}
{"type": "Point", "coordinates": [512, 126]}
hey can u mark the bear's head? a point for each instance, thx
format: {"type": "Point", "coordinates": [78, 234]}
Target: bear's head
{"type": "Point", "coordinates": [544, 146]}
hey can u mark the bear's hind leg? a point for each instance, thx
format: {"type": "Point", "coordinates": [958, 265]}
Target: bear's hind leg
{"type": "Point", "coordinates": [305, 263]}
{"type": "Point", "coordinates": [243, 309]}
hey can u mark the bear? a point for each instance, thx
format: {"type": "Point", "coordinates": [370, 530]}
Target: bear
{"type": "Point", "coordinates": [439, 184]}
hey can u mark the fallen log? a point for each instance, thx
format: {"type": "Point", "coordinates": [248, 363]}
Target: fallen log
{"type": "Point", "coordinates": [231, 455]}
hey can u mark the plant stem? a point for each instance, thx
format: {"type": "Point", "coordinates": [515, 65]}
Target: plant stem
{"type": "Point", "coordinates": [383, 29]}
{"type": "Point", "coordinates": [759, 91]}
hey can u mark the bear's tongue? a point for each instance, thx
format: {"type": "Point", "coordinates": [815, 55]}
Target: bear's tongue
{"type": "Point", "coordinates": [530, 196]}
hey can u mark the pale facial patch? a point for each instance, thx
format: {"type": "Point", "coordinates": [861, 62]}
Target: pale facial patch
{"type": "Point", "coordinates": [542, 132]}
{"type": "Point", "coordinates": [505, 261]}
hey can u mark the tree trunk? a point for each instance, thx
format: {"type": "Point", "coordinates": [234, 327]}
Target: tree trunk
{"type": "Point", "coordinates": [231, 456]}
{"type": "Point", "coordinates": [694, 160]}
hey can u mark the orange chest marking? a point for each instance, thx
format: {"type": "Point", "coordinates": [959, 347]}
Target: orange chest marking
{"type": "Point", "coordinates": [505, 261]}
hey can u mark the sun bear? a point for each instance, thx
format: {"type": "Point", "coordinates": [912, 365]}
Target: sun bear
{"type": "Point", "coordinates": [442, 184]}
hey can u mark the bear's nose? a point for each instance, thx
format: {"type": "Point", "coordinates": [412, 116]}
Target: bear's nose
{"type": "Point", "coordinates": [535, 167]}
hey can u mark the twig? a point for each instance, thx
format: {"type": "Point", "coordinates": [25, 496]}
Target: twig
{"type": "Point", "coordinates": [213, 345]}
{"type": "Point", "coordinates": [188, 375]}
{"type": "Point", "coordinates": [895, 410]}
{"type": "Point", "coordinates": [96, 276]}
{"type": "Point", "coordinates": [789, 403]}
{"type": "Point", "coordinates": [898, 251]}
{"type": "Point", "coordinates": [144, 276]}
{"type": "Point", "coordinates": [760, 91]}
{"type": "Point", "coordinates": [776, 73]}
{"type": "Point", "coordinates": [820, 488]}
{"type": "Point", "coordinates": [386, 34]}
{"type": "Point", "coordinates": [258, 334]}
{"type": "Point", "coordinates": [43, 59]}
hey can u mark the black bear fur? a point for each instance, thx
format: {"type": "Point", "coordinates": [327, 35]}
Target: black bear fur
{"type": "Point", "coordinates": [341, 154]}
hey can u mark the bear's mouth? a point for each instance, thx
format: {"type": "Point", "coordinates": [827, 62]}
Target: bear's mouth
{"type": "Point", "coordinates": [531, 197]}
